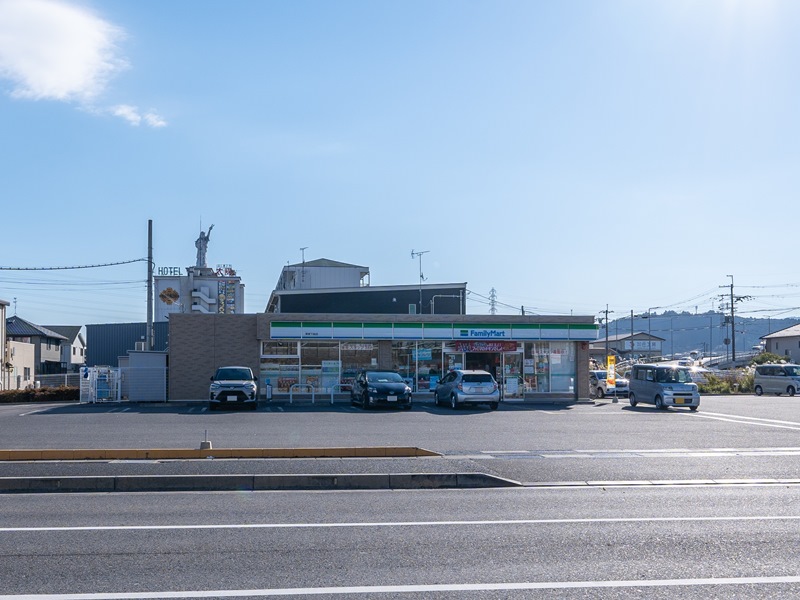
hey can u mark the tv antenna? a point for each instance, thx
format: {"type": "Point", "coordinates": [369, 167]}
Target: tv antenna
{"type": "Point", "coordinates": [421, 276]}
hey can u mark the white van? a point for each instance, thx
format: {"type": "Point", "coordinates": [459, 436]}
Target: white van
{"type": "Point", "coordinates": [777, 379]}
{"type": "Point", "coordinates": [662, 385]}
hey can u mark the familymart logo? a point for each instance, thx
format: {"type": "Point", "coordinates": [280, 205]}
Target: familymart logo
{"type": "Point", "coordinates": [482, 333]}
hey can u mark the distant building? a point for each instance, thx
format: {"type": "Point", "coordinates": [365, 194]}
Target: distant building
{"type": "Point", "coordinates": [106, 343]}
{"type": "Point", "coordinates": [785, 342]}
{"type": "Point", "coordinates": [327, 286]}
{"type": "Point", "coordinates": [200, 290]}
{"type": "Point", "coordinates": [73, 350]}
{"type": "Point", "coordinates": [644, 345]}
{"type": "Point", "coordinates": [46, 344]}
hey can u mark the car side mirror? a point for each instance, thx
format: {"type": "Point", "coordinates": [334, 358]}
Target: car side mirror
{"type": "Point", "coordinates": [211, 378]}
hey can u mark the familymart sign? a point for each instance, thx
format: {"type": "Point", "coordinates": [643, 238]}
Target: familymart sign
{"type": "Point", "coordinates": [355, 330]}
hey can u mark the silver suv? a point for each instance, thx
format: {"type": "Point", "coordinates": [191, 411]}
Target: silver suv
{"type": "Point", "coordinates": [233, 386]}
{"type": "Point", "coordinates": [460, 387]}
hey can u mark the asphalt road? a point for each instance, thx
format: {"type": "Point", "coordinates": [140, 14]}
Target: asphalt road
{"type": "Point", "coordinates": [736, 437]}
{"type": "Point", "coordinates": [643, 542]}
{"type": "Point", "coordinates": [653, 505]}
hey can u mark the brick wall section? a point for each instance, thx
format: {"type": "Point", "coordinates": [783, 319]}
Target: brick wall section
{"type": "Point", "coordinates": [198, 344]}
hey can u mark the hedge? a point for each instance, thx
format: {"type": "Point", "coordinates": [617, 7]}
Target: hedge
{"type": "Point", "coordinates": [46, 394]}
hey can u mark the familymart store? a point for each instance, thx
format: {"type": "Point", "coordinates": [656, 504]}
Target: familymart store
{"type": "Point", "coordinates": [531, 357]}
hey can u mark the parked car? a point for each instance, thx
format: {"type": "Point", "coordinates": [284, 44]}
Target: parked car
{"type": "Point", "coordinates": [233, 386]}
{"type": "Point", "coordinates": [664, 386]}
{"type": "Point", "coordinates": [462, 387]}
{"type": "Point", "coordinates": [777, 379]}
{"type": "Point", "coordinates": [598, 386]}
{"type": "Point", "coordinates": [374, 387]}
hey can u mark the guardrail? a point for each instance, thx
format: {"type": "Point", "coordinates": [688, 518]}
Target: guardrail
{"type": "Point", "coordinates": [305, 386]}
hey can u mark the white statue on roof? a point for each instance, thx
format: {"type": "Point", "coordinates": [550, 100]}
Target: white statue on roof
{"type": "Point", "coordinates": [201, 243]}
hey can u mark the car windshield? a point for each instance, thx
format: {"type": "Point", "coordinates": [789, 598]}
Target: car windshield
{"type": "Point", "coordinates": [673, 376]}
{"type": "Point", "coordinates": [384, 377]}
{"type": "Point", "coordinates": [793, 371]}
{"type": "Point", "coordinates": [229, 374]}
{"type": "Point", "coordinates": [477, 378]}
{"type": "Point", "coordinates": [600, 374]}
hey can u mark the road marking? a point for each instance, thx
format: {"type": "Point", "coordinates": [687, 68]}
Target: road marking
{"type": "Point", "coordinates": [655, 453]}
{"type": "Point", "coordinates": [746, 420]}
{"type": "Point", "coordinates": [399, 524]}
{"type": "Point", "coordinates": [705, 412]}
{"type": "Point", "coordinates": [33, 412]}
{"type": "Point", "coordinates": [419, 588]}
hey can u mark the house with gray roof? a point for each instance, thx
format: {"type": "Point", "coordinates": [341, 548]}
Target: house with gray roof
{"type": "Point", "coordinates": [73, 351]}
{"type": "Point", "coordinates": [46, 344]}
{"type": "Point", "coordinates": [785, 342]}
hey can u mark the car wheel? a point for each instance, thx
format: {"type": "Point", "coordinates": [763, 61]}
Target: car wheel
{"type": "Point", "coordinates": [659, 403]}
{"type": "Point", "coordinates": [693, 408]}
{"type": "Point", "coordinates": [453, 402]}
{"type": "Point", "coordinates": [758, 390]}
{"type": "Point", "coordinates": [790, 390]}
{"type": "Point", "coordinates": [632, 399]}
{"type": "Point", "coordinates": [599, 393]}
{"type": "Point", "coordinates": [254, 406]}
{"type": "Point", "coordinates": [493, 405]}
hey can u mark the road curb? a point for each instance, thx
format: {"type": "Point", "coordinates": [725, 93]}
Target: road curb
{"type": "Point", "coordinates": [205, 483]}
{"type": "Point", "coordinates": [187, 453]}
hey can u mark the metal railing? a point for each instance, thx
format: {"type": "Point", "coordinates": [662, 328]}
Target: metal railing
{"type": "Point", "coordinates": [341, 387]}
{"type": "Point", "coordinates": [305, 386]}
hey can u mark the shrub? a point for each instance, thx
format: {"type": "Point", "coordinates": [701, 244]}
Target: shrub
{"type": "Point", "coordinates": [46, 394]}
{"type": "Point", "coordinates": [728, 382]}
{"type": "Point", "coordinates": [767, 357]}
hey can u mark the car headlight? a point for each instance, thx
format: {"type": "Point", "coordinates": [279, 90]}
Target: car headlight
{"type": "Point", "coordinates": [408, 390]}
{"type": "Point", "coordinates": [250, 386]}
{"type": "Point", "coordinates": [215, 386]}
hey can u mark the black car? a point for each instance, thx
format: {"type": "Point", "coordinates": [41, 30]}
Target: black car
{"type": "Point", "coordinates": [380, 388]}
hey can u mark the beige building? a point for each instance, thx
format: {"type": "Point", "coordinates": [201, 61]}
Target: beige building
{"type": "Point", "coordinates": [785, 342]}
{"type": "Point", "coordinates": [533, 357]}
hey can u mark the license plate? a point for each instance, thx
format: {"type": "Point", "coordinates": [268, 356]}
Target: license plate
{"type": "Point", "coordinates": [230, 398]}
{"type": "Point", "coordinates": [678, 400]}
{"type": "Point", "coordinates": [391, 398]}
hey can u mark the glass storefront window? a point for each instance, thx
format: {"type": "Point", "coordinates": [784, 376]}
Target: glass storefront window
{"type": "Point", "coordinates": [279, 349]}
{"type": "Point", "coordinates": [562, 366]}
{"type": "Point", "coordinates": [536, 367]}
{"type": "Point", "coordinates": [356, 356]}
{"type": "Point", "coordinates": [320, 365]}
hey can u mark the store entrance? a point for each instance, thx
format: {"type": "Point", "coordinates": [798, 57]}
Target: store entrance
{"type": "Point", "coordinates": [486, 361]}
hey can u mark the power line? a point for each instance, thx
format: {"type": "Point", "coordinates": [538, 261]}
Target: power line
{"type": "Point", "coordinates": [114, 264]}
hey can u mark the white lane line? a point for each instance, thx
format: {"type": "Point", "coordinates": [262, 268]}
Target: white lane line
{"type": "Point", "coordinates": [741, 421]}
{"type": "Point", "coordinates": [401, 523]}
{"type": "Point", "coordinates": [420, 588]}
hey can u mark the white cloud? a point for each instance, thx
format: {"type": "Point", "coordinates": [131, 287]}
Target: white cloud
{"type": "Point", "coordinates": [133, 116]}
{"type": "Point", "coordinates": [54, 50]}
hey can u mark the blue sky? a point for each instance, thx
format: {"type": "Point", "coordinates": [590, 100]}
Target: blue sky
{"type": "Point", "coordinates": [569, 155]}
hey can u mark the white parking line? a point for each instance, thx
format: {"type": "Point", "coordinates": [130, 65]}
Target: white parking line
{"type": "Point", "coordinates": [746, 420]}
{"type": "Point", "coordinates": [418, 588]}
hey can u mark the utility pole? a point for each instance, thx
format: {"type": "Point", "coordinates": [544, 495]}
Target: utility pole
{"type": "Point", "coordinates": [421, 276]}
{"type": "Point", "coordinates": [149, 341]}
{"type": "Point", "coordinates": [606, 311]}
{"type": "Point", "coordinates": [733, 325]}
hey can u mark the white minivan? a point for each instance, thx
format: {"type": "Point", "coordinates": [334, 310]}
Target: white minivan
{"type": "Point", "coordinates": [663, 385]}
{"type": "Point", "coordinates": [777, 379]}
